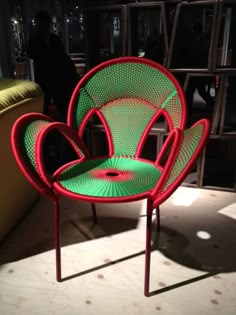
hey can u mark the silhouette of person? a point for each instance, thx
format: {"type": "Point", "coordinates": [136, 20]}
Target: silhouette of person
{"type": "Point", "coordinates": [55, 72]}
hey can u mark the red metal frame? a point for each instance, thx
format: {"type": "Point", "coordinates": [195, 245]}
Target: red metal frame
{"type": "Point", "coordinates": [155, 200]}
{"type": "Point", "coordinates": [145, 134]}
{"type": "Point", "coordinates": [52, 188]}
{"type": "Point", "coordinates": [161, 198]}
{"type": "Point", "coordinates": [43, 187]}
{"type": "Point", "coordinates": [118, 60]}
{"type": "Point", "coordinates": [69, 134]}
{"type": "Point", "coordinates": [175, 137]}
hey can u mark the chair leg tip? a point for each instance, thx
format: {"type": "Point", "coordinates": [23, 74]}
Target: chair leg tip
{"type": "Point", "coordinates": [146, 293]}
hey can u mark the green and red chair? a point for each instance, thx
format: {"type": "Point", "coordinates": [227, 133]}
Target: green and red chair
{"type": "Point", "coordinates": [128, 95]}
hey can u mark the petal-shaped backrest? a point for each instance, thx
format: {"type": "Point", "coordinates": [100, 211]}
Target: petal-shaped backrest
{"type": "Point", "coordinates": [23, 140]}
{"type": "Point", "coordinates": [127, 93]}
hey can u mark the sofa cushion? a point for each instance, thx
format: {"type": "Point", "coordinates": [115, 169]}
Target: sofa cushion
{"type": "Point", "coordinates": [13, 91]}
{"type": "Point", "coordinates": [17, 97]}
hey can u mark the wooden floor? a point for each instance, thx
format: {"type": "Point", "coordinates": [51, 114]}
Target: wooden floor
{"type": "Point", "coordinates": [193, 260]}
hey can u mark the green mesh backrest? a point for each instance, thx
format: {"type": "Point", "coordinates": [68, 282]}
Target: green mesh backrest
{"type": "Point", "coordinates": [85, 103]}
{"type": "Point", "coordinates": [29, 133]}
{"type": "Point", "coordinates": [138, 91]}
{"type": "Point", "coordinates": [189, 144]}
{"type": "Point", "coordinates": [130, 80]}
{"type": "Point", "coordinates": [127, 119]}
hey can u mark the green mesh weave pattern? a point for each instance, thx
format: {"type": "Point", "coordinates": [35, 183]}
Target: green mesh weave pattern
{"type": "Point", "coordinates": [128, 80]}
{"type": "Point", "coordinates": [85, 103]}
{"type": "Point", "coordinates": [114, 177]}
{"type": "Point", "coordinates": [127, 119]}
{"type": "Point", "coordinates": [190, 142]}
{"type": "Point", "coordinates": [29, 135]}
{"type": "Point", "coordinates": [173, 106]}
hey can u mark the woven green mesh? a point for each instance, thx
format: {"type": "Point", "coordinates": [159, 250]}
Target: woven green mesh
{"type": "Point", "coordinates": [173, 106]}
{"type": "Point", "coordinates": [99, 177]}
{"type": "Point", "coordinates": [85, 103]}
{"type": "Point", "coordinates": [126, 81]}
{"type": "Point", "coordinates": [28, 137]}
{"type": "Point", "coordinates": [127, 119]}
{"type": "Point", "coordinates": [190, 142]}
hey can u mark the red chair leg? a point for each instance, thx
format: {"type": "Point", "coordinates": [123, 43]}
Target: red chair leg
{"type": "Point", "coordinates": [95, 220]}
{"type": "Point", "coordinates": [148, 254]}
{"type": "Point", "coordinates": [158, 223]}
{"type": "Point", "coordinates": [57, 239]}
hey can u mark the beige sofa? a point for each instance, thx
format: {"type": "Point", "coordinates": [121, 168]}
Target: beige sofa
{"type": "Point", "coordinates": [17, 195]}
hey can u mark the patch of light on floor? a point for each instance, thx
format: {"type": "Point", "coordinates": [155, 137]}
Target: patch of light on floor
{"type": "Point", "coordinates": [229, 211]}
{"type": "Point", "coordinates": [203, 235]}
{"type": "Point", "coordinates": [185, 198]}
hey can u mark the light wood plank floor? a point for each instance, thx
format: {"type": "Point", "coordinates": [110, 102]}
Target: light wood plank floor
{"type": "Point", "coordinates": [193, 260]}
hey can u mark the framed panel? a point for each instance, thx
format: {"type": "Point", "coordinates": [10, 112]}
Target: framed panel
{"type": "Point", "coordinates": [224, 58]}
{"type": "Point", "coordinates": [147, 31]}
{"type": "Point", "coordinates": [218, 164]}
{"type": "Point", "coordinates": [105, 33]}
{"type": "Point", "coordinates": [193, 35]}
{"type": "Point", "coordinates": [75, 37]}
{"type": "Point", "coordinates": [170, 9]}
{"type": "Point", "coordinates": [203, 93]}
{"type": "Point", "coordinates": [228, 112]}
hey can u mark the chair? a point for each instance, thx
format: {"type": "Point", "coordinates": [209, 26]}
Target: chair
{"type": "Point", "coordinates": [128, 94]}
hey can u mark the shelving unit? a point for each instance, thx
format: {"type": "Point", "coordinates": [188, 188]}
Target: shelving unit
{"type": "Point", "coordinates": [174, 22]}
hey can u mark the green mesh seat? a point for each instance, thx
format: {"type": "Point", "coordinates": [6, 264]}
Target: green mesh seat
{"type": "Point", "coordinates": [128, 95]}
{"type": "Point", "coordinates": [109, 178]}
